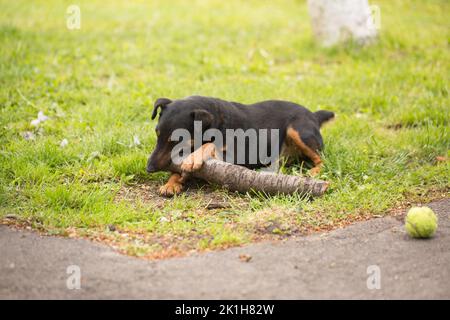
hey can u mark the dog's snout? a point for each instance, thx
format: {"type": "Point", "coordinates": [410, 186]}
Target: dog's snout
{"type": "Point", "coordinates": [157, 162]}
{"type": "Point", "coordinates": [151, 169]}
{"type": "Point", "coordinates": [160, 158]}
{"type": "Point", "coordinates": [152, 165]}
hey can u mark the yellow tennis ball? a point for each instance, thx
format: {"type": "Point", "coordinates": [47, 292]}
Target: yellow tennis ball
{"type": "Point", "coordinates": [421, 222]}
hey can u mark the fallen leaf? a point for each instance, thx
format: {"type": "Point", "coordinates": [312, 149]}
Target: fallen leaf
{"type": "Point", "coordinates": [245, 257]}
{"type": "Point", "coordinates": [64, 143]}
{"type": "Point", "coordinates": [28, 135]}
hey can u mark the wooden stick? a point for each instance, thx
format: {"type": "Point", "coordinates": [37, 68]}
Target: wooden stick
{"type": "Point", "coordinates": [238, 178]}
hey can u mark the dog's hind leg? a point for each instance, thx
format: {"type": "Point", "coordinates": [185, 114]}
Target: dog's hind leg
{"type": "Point", "coordinates": [308, 146]}
{"type": "Point", "coordinates": [172, 186]}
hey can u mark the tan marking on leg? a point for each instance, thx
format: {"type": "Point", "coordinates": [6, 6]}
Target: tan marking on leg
{"type": "Point", "coordinates": [172, 186]}
{"type": "Point", "coordinates": [294, 136]}
{"type": "Point", "coordinates": [195, 160]}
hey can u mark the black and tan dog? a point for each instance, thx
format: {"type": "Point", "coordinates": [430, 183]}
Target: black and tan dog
{"type": "Point", "coordinates": [299, 131]}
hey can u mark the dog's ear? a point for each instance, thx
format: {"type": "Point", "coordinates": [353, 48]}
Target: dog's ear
{"type": "Point", "coordinates": [160, 103]}
{"type": "Point", "coordinates": [204, 116]}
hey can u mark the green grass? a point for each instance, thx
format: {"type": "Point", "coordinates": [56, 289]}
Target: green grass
{"type": "Point", "coordinates": [98, 84]}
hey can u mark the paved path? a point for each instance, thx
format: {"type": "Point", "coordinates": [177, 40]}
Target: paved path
{"type": "Point", "coordinates": [329, 265]}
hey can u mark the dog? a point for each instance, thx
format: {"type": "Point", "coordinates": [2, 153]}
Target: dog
{"type": "Point", "coordinates": [299, 132]}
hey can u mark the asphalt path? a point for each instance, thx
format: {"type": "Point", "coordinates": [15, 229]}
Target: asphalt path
{"type": "Point", "coordinates": [369, 260]}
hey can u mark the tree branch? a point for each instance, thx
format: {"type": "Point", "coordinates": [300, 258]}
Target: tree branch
{"type": "Point", "coordinates": [238, 178]}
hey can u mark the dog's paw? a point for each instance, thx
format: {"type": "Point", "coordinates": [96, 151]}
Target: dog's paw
{"type": "Point", "coordinates": [314, 171]}
{"type": "Point", "coordinates": [170, 189]}
{"type": "Point", "coordinates": [191, 164]}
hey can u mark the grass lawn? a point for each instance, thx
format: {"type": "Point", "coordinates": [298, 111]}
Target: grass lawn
{"type": "Point", "coordinates": [98, 84]}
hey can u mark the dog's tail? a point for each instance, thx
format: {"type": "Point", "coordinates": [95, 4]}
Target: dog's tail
{"type": "Point", "coordinates": [323, 116]}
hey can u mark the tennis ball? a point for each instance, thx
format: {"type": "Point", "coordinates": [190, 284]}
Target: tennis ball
{"type": "Point", "coordinates": [421, 222]}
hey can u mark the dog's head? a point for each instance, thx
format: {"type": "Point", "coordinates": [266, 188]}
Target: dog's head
{"type": "Point", "coordinates": [173, 115]}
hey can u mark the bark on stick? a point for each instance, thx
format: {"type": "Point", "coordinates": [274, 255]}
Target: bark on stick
{"type": "Point", "coordinates": [238, 178]}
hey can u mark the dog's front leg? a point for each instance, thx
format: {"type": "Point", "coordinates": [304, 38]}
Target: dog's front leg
{"type": "Point", "coordinates": [191, 163]}
{"type": "Point", "coordinates": [195, 160]}
{"type": "Point", "coordinates": [173, 186]}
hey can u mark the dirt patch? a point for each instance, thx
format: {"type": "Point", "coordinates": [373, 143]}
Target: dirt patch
{"type": "Point", "coordinates": [210, 197]}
